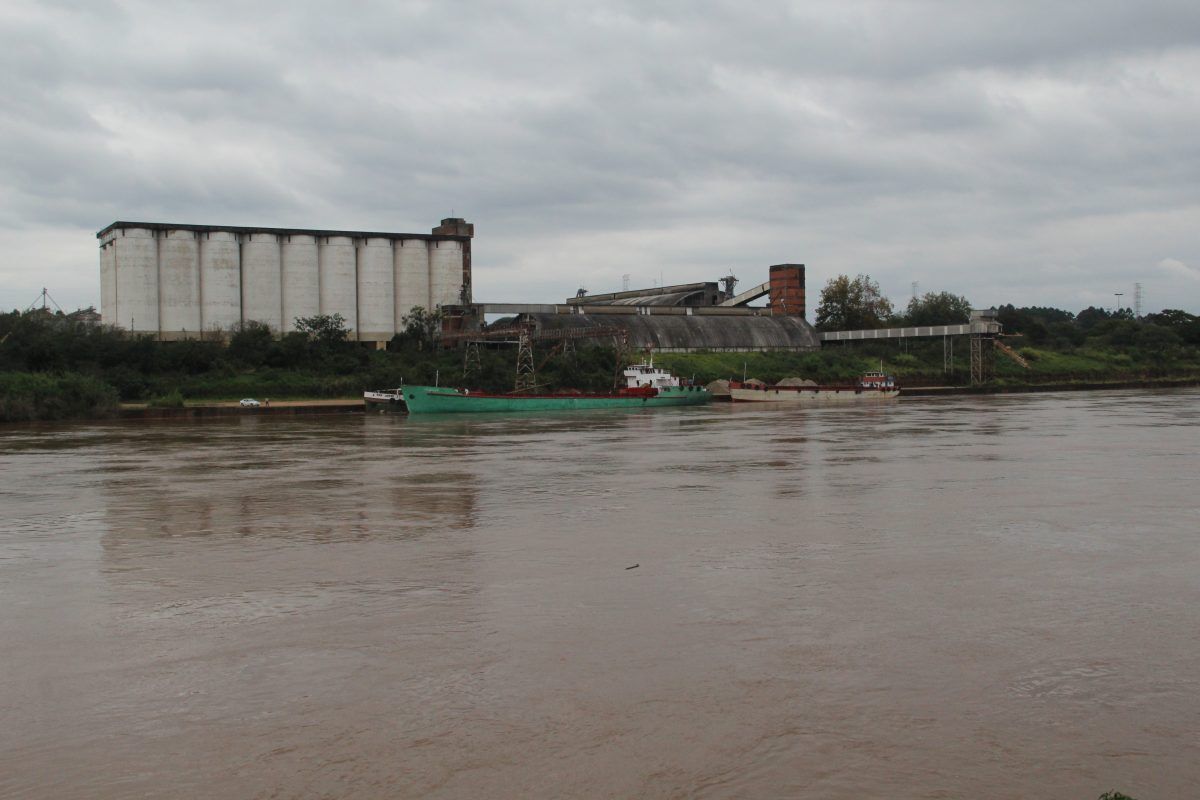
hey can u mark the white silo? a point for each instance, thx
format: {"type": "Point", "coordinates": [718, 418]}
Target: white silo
{"type": "Point", "coordinates": [412, 277]}
{"type": "Point", "coordinates": [220, 282]}
{"type": "Point", "coordinates": [300, 278]}
{"type": "Point", "coordinates": [178, 284]}
{"type": "Point", "coordinates": [262, 290]}
{"type": "Point", "coordinates": [445, 273]}
{"type": "Point", "coordinates": [339, 285]}
{"type": "Point", "coordinates": [135, 264]}
{"type": "Point", "coordinates": [108, 282]}
{"type": "Point", "coordinates": [376, 291]}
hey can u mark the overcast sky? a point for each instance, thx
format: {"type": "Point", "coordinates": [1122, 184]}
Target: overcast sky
{"type": "Point", "coordinates": [1037, 153]}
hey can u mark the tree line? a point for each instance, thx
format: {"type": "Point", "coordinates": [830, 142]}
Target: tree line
{"type": "Point", "coordinates": [45, 355]}
{"type": "Point", "coordinates": [857, 303]}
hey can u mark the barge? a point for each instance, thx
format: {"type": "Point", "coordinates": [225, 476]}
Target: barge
{"type": "Point", "coordinates": [872, 386]}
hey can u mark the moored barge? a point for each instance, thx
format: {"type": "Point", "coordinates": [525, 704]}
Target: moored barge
{"type": "Point", "coordinates": [872, 386]}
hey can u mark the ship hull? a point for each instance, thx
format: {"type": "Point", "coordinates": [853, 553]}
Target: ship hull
{"type": "Point", "coordinates": [385, 406]}
{"type": "Point", "coordinates": [812, 395]}
{"type": "Point", "coordinates": [434, 400]}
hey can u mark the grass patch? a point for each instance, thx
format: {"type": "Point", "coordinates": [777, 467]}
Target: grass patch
{"type": "Point", "coordinates": [173, 399]}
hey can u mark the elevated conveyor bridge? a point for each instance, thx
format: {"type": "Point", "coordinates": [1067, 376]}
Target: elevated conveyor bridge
{"type": "Point", "coordinates": [983, 330]}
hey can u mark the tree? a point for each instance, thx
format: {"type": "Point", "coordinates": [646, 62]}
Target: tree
{"type": "Point", "coordinates": [251, 343]}
{"type": "Point", "coordinates": [327, 331]}
{"type": "Point", "coordinates": [852, 304]}
{"type": "Point", "coordinates": [1091, 316]}
{"type": "Point", "coordinates": [1183, 323]}
{"type": "Point", "coordinates": [938, 308]}
{"type": "Point", "coordinates": [421, 327]}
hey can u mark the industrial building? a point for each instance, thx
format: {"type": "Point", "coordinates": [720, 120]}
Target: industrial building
{"type": "Point", "coordinates": [202, 281]}
{"type": "Point", "coordinates": [681, 318]}
{"type": "Point", "coordinates": [195, 281]}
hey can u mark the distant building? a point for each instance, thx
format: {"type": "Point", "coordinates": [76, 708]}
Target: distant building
{"type": "Point", "coordinates": [188, 281]}
{"type": "Point", "coordinates": [88, 316]}
{"type": "Point", "coordinates": [681, 318]}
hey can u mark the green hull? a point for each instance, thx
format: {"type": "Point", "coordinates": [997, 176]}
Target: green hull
{"type": "Point", "coordinates": [434, 400]}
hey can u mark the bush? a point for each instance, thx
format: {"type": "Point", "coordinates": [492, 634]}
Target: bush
{"type": "Point", "coordinates": [173, 399]}
{"type": "Point", "coordinates": [33, 396]}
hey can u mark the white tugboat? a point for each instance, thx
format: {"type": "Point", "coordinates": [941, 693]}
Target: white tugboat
{"type": "Point", "coordinates": [385, 400]}
{"type": "Point", "coordinates": [639, 376]}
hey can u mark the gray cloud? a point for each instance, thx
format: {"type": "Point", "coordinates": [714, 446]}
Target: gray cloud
{"type": "Point", "coordinates": [1018, 152]}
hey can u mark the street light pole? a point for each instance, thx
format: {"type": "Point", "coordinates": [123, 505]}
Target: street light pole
{"type": "Point", "coordinates": [1118, 295]}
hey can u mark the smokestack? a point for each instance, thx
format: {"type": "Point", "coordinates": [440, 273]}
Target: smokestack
{"type": "Point", "coordinates": [787, 290]}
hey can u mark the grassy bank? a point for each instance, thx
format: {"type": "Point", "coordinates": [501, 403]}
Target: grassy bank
{"type": "Point", "coordinates": [922, 363]}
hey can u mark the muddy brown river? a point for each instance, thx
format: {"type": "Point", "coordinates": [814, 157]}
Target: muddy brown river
{"type": "Point", "coordinates": [972, 597]}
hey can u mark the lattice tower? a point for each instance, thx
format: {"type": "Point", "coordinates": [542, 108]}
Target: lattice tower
{"type": "Point", "coordinates": [526, 377]}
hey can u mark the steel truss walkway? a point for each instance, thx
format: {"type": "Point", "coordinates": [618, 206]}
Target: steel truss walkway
{"type": "Point", "coordinates": [983, 333]}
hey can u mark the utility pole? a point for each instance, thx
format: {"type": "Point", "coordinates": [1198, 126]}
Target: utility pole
{"type": "Point", "coordinates": [1118, 295]}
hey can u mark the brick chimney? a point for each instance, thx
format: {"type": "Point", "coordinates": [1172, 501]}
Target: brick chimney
{"type": "Point", "coordinates": [787, 290]}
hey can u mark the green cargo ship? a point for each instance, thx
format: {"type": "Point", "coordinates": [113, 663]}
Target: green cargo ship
{"type": "Point", "coordinates": [646, 387]}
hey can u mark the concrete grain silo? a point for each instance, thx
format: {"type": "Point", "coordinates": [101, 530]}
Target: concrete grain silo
{"type": "Point", "coordinates": [376, 290]}
{"type": "Point", "coordinates": [445, 273]}
{"type": "Point", "coordinates": [178, 284]}
{"type": "Point", "coordinates": [339, 284]}
{"type": "Point", "coordinates": [220, 282]}
{"type": "Point", "coordinates": [108, 278]}
{"type": "Point", "coordinates": [412, 277]}
{"type": "Point", "coordinates": [262, 287]}
{"type": "Point", "coordinates": [135, 261]}
{"type": "Point", "coordinates": [183, 281]}
{"type": "Point", "coordinates": [300, 276]}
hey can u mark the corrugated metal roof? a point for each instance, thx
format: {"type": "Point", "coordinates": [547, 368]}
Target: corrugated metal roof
{"type": "Point", "coordinates": [695, 332]}
{"type": "Point", "coordinates": [672, 299]}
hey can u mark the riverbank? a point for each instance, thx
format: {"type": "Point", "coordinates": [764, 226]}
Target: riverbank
{"type": "Point", "coordinates": [354, 406]}
{"type": "Point", "coordinates": [1076, 386]}
{"type": "Point", "coordinates": [233, 409]}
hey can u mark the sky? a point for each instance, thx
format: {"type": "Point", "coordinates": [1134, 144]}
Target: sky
{"type": "Point", "coordinates": [1035, 153]}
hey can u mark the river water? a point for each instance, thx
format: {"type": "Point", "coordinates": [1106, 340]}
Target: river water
{"type": "Point", "coordinates": [984, 597]}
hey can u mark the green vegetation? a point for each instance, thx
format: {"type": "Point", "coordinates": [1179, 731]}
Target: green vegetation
{"type": "Point", "coordinates": [852, 304]}
{"type": "Point", "coordinates": [920, 362]}
{"type": "Point", "coordinates": [28, 396]}
{"type": "Point", "coordinates": [173, 399]}
{"type": "Point", "coordinates": [936, 308]}
{"type": "Point", "coordinates": [94, 366]}
{"type": "Point", "coordinates": [1060, 347]}
{"type": "Point", "coordinates": [53, 366]}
